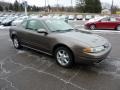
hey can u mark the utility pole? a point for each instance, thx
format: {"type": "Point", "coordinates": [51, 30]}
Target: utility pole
{"type": "Point", "coordinates": [112, 6]}
{"type": "Point", "coordinates": [25, 5]}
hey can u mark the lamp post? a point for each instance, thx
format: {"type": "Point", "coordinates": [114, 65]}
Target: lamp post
{"type": "Point", "coordinates": [25, 5]}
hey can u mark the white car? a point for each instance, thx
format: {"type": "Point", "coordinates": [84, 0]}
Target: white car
{"type": "Point", "coordinates": [79, 17]}
{"type": "Point", "coordinates": [19, 20]}
{"type": "Point", "coordinates": [57, 16]}
{"type": "Point", "coordinates": [88, 17]}
{"type": "Point", "coordinates": [97, 16]}
{"type": "Point", "coordinates": [71, 17]}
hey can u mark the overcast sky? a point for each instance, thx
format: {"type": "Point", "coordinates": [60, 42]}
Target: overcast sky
{"type": "Point", "coordinates": [61, 2]}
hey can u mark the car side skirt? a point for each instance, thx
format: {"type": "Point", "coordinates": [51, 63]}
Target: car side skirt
{"type": "Point", "coordinates": [37, 50]}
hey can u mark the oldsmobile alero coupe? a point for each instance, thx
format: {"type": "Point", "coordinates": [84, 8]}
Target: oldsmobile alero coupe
{"type": "Point", "coordinates": [57, 38]}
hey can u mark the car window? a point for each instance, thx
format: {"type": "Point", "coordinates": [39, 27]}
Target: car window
{"type": "Point", "coordinates": [113, 19]}
{"type": "Point", "coordinates": [35, 25]}
{"type": "Point", "coordinates": [105, 20]}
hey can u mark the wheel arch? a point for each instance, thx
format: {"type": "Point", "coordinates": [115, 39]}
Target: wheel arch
{"type": "Point", "coordinates": [92, 24]}
{"type": "Point", "coordinates": [13, 35]}
{"type": "Point", "coordinates": [117, 25]}
{"type": "Point", "coordinates": [62, 45]}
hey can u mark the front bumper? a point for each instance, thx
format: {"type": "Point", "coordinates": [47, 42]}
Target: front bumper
{"type": "Point", "coordinates": [93, 57]}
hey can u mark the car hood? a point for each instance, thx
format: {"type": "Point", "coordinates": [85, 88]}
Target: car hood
{"type": "Point", "coordinates": [91, 40]}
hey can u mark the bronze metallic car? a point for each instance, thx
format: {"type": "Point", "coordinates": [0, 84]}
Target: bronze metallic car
{"type": "Point", "coordinates": [57, 38]}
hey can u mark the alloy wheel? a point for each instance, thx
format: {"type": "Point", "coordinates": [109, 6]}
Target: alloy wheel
{"type": "Point", "coordinates": [63, 57]}
{"type": "Point", "coordinates": [92, 27]}
{"type": "Point", "coordinates": [16, 43]}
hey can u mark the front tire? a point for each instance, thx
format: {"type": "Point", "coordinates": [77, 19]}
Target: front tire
{"type": "Point", "coordinates": [118, 28]}
{"type": "Point", "coordinates": [16, 42]}
{"type": "Point", "coordinates": [92, 27]}
{"type": "Point", "coordinates": [64, 57]}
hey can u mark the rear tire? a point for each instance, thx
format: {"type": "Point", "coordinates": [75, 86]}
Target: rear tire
{"type": "Point", "coordinates": [118, 28]}
{"type": "Point", "coordinates": [16, 42]}
{"type": "Point", "coordinates": [64, 57]}
{"type": "Point", "coordinates": [92, 27]}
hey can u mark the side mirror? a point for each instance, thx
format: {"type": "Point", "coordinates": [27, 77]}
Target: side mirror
{"type": "Point", "coordinates": [42, 31]}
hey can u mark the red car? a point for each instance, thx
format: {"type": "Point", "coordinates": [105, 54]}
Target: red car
{"type": "Point", "coordinates": [103, 23]}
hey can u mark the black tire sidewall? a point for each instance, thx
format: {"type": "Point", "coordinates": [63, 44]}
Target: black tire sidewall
{"type": "Point", "coordinates": [71, 62]}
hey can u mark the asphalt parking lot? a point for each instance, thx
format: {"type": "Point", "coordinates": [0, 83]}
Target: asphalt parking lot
{"type": "Point", "coordinates": [26, 69]}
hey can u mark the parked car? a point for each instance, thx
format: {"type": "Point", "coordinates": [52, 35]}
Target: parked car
{"type": "Point", "coordinates": [103, 23]}
{"type": "Point", "coordinates": [88, 17]}
{"type": "Point", "coordinates": [50, 15]}
{"type": "Point", "coordinates": [118, 18]}
{"type": "Point", "coordinates": [19, 20]}
{"type": "Point", "coordinates": [79, 17]}
{"type": "Point", "coordinates": [64, 18]}
{"type": "Point", "coordinates": [97, 16]}
{"type": "Point", "coordinates": [71, 17]}
{"type": "Point", "coordinates": [57, 38]}
{"type": "Point", "coordinates": [8, 21]}
{"type": "Point", "coordinates": [56, 16]}
{"type": "Point", "coordinates": [1, 19]}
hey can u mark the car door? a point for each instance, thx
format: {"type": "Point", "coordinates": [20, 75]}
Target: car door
{"type": "Point", "coordinates": [103, 24]}
{"type": "Point", "coordinates": [113, 23]}
{"type": "Point", "coordinates": [22, 32]}
{"type": "Point", "coordinates": [37, 40]}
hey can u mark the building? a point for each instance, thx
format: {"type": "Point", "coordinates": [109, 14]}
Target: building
{"type": "Point", "coordinates": [106, 12]}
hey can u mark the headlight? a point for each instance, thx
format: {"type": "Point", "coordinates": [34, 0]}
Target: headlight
{"type": "Point", "coordinates": [94, 50]}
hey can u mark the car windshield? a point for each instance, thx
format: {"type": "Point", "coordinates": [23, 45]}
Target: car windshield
{"type": "Point", "coordinates": [88, 16]}
{"type": "Point", "coordinates": [58, 25]}
{"type": "Point", "coordinates": [96, 19]}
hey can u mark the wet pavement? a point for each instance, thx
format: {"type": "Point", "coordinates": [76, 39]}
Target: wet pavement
{"type": "Point", "coordinates": [26, 69]}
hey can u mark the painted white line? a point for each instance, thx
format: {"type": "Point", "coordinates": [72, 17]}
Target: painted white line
{"type": "Point", "coordinates": [106, 31]}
